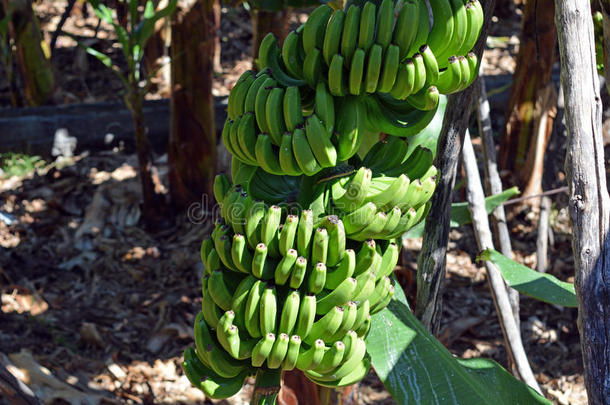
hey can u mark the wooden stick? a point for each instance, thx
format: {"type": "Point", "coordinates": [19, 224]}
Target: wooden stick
{"type": "Point", "coordinates": [432, 258]}
{"type": "Point", "coordinates": [480, 222]}
{"type": "Point", "coordinates": [493, 185]}
{"type": "Point", "coordinates": [542, 241]}
{"type": "Point", "coordinates": [589, 201]}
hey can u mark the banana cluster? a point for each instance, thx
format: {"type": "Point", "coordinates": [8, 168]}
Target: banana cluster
{"type": "Point", "coordinates": [309, 227]}
{"type": "Point", "coordinates": [286, 131]}
{"type": "Point", "coordinates": [389, 49]}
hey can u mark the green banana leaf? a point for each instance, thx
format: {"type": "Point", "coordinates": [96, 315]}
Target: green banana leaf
{"type": "Point", "coordinates": [417, 369]}
{"type": "Point", "coordinates": [460, 214]}
{"type": "Point", "coordinates": [541, 286]}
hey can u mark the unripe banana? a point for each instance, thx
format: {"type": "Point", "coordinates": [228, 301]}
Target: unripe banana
{"type": "Point", "coordinates": [373, 67]}
{"type": "Point", "coordinates": [285, 266]}
{"type": "Point", "coordinates": [219, 291]}
{"type": "Point", "coordinates": [385, 23]}
{"type": "Point", "coordinates": [326, 326]}
{"type": "Point", "coordinates": [278, 352]}
{"type": "Point", "coordinates": [304, 233]}
{"type": "Point", "coordinates": [391, 63]}
{"type": "Point", "coordinates": [315, 27]}
{"type": "Point", "coordinates": [246, 134]}
{"type": "Point", "coordinates": [250, 100]}
{"type": "Point", "coordinates": [290, 312]}
{"type": "Point", "coordinates": [420, 73]}
{"type": "Point", "coordinates": [298, 272]}
{"type": "Point", "coordinates": [406, 28]}
{"type": "Point", "coordinates": [317, 278]}
{"type": "Point", "coordinates": [332, 36]}
{"type": "Point", "coordinates": [240, 297]}
{"type": "Point", "coordinates": [366, 36]}
{"type": "Point", "coordinates": [307, 315]}
{"type": "Point", "coordinates": [292, 354]}
{"type": "Point", "coordinates": [350, 313]}
{"type": "Point", "coordinates": [262, 265]}
{"type": "Point", "coordinates": [211, 312]}
{"type": "Point", "coordinates": [349, 39]}
{"type": "Point", "coordinates": [365, 256]}
{"type": "Point", "coordinates": [319, 250]}
{"type": "Point", "coordinates": [356, 191]}
{"type": "Point", "coordinates": [288, 234]}
{"type": "Point", "coordinates": [255, 215]}
{"type": "Point", "coordinates": [362, 315]}
{"type": "Point", "coordinates": [356, 71]}
{"type": "Point", "coordinates": [222, 184]}
{"type": "Point", "coordinates": [336, 297]}
{"type": "Point", "coordinates": [206, 247]}
{"type": "Point", "coordinates": [266, 157]}
{"type": "Point", "coordinates": [430, 64]}
{"type": "Point", "coordinates": [449, 79]}
{"type": "Point", "coordinates": [240, 254]}
{"type": "Point", "coordinates": [312, 67]}
{"type": "Point", "coordinates": [363, 330]}
{"type": "Point", "coordinates": [293, 111]}
{"type": "Point", "coordinates": [344, 270]}
{"type": "Point", "coordinates": [261, 351]}
{"type": "Point", "coordinates": [275, 118]}
{"type": "Point", "coordinates": [237, 96]}
{"type": "Point", "coordinates": [319, 142]}
{"type": "Point", "coordinates": [288, 162]}
{"type": "Point", "coordinates": [336, 239]}
{"type": "Point", "coordinates": [366, 286]}
{"type": "Point", "coordinates": [290, 54]}
{"type": "Point", "coordinates": [252, 309]}
{"type": "Point", "coordinates": [303, 153]}
{"type": "Point", "coordinates": [312, 357]}
{"type": "Point", "coordinates": [260, 103]}
{"type": "Point", "coordinates": [403, 86]}
{"type": "Point", "coordinates": [336, 84]}
{"type": "Point", "coordinates": [358, 219]}
{"type": "Point", "coordinates": [332, 358]}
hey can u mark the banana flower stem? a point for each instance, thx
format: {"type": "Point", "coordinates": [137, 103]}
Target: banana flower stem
{"type": "Point", "coordinates": [266, 387]}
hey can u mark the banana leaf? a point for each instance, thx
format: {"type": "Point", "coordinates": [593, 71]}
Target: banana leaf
{"type": "Point", "coordinates": [417, 369]}
{"type": "Point", "coordinates": [541, 286]}
{"type": "Point", "coordinates": [460, 214]}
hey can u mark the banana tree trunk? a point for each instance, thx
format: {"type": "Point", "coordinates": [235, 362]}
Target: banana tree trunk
{"type": "Point", "coordinates": [32, 53]}
{"type": "Point", "coordinates": [264, 22]}
{"type": "Point", "coordinates": [531, 110]}
{"type": "Point", "coordinates": [153, 206]}
{"type": "Point", "coordinates": [299, 390]}
{"type": "Point", "coordinates": [192, 143]}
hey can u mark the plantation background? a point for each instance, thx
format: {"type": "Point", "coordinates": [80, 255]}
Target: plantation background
{"type": "Point", "coordinates": [107, 306]}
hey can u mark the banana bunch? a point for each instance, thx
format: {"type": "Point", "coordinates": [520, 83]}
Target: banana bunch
{"type": "Point", "coordinates": [286, 130]}
{"type": "Point", "coordinates": [308, 233]}
{"type": "Point", "coordinates": [389, 49]}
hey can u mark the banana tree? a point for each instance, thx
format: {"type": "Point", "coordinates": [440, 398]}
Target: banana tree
{"type": "Point", "coordinates": [132, 39]}
{"type": "Point", "coordinates": [298, 269]}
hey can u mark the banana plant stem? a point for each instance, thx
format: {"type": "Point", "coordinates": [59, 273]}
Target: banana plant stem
{"type": "Point", "coordinates": [266, 387]}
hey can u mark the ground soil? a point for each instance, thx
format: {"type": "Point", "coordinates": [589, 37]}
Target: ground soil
{"type": "Point", "coordinates": [107, 306]}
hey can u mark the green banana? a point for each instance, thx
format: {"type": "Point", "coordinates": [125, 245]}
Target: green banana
{"type": "Point", "coordinates": [350, 313]}
{"type": "Point", "coordinates": [319, 247]}
{"type": "Point", "coordinates": [303, 153]}
{"type": "Point", "coordinates": [266, 157]}
{"type": "Point", "coordinates": [235, 104]}
{"type": "Point", "coordinates": [317, 278]}
{"type": "Point", "coordinates": [222, 184]}
{"type": "Point", "coordinates": [356, 191]}
{"type": "Point", "coordinates": [406, 28]}
{"type": "Point", "coordinates": [391, 63]}
{"type": "Point", "coordinates": [254, 216]}
{"type": "Point", "coordinates": [315, 27]}
{"type": "Point", "coordinates": [365, 257]}
{"type": "Point", "coordinates": [358, 219]}
{"type": "Point", "coordinates": [278, 351]}
{"type": "Point", "coordinates": [373, 67]}
{"type": "Point", "coordinates": [344, 270]}
{"type": "Point", "coordinates": [290, 54]}
{"type": "Point", "coordinates": [219, 291]}
{"type": "Point", "coordinates": [420, 72]}
{"type": "Point", "coordinates": [319, 142]}
{"type": "Point", "coordinates": [366, 36]}
{"type": "Point", "coordinates": [250, 100]}
{"type": "Point", "coordinates": [288, 162]}
{"type": "Point", "coordinates": [356, 71]}
{"type": "Point", "coordinates": [288, 234]}
{"type": "Point", "coordinates": [449, 80]}
{"type": "Point", "coordinates": [442, 29]}
{"type": "Point", "coordinates": [332, 358]}
{"type": "Point", "coordinates": [252, 309]}
{"type": "Point", "coordinates": [336, 239]}
{"type": "Point", "coordinates": [312, 67]}
{"type": "Point", "coordinates": [262, 265]}
{"type": "Point", "coordinates": [332, 36]}
{"type": "Point", "coordinates": [275, 119]}
{"type": "Point", "coordinates": [389, 260]}
{"type": "Point", "coordinates": [324, 107]}
{"type": "Point", "coordinates": [211, 312]}
{"type": "Point", "coordinates": [268, 310]}
{"type": "Point", "coordinates": [290, 312]}
{"type": "Point", "coordinates": [312, 357]}
{"type": "Point", "coordinates": [240, 254]}
{"type": "Point", "coordinates": [204, 378]}
{"type": "Point", "coordinates": [460, 30]}
{"type": "Point", "coordinates": [405, 80]}
{"type": "Point", "coordinates": [385, 23]}
{"type": "Point", "coordinates": [425, 100]}
{"type": "Point", "coordinates": [307, 315]}
{"type": "Point", "coordinates": [298, 272]}
{"type": "Point", "coordinates": [284, 267]}
{"type": "Point", "coordinates": [246, 137]}
{"type": "Point", "coordinates": [348, 136]}
{"type": "Point", "coordinates": [430, 63]}
{"type": "Point", "coordinates": [336, 85]}
{"type": "Point", "coordinates": [337, 297]}
{"type": "Point", "coordinates": [263, 348]}
{"type": "Point", "coordinates": [349, 38]}
{"type": "Point", "coordinates": [304, 233]}
{"type": "Point", "coordinates": [292, 354]}
{"type": "Point", "coordinates": [326, 326]}
{"type": "Point", "coordinates": [260, 104]}
{"type": "Point", "coordinates": [293, 111]}
{"type": "Point", "coordinates": [269, 56]}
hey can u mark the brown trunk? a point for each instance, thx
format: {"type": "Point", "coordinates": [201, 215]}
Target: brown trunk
{"type": "Point", "coordinates": [153, 207]}
{"type": "Point", "coordinates": [299, 390]}
{"type": "Point", "coordinates": [264, 22]}
{"type": "Point", "coordinates": [32, 53]}
{"type": "Point", "coordinates": [529, 117]}
{"type": "Point", "coordinates": [192, 143]}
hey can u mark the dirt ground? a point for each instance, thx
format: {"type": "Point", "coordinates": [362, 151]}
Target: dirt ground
{"type": "Point", "coordinates": [107, 307]}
